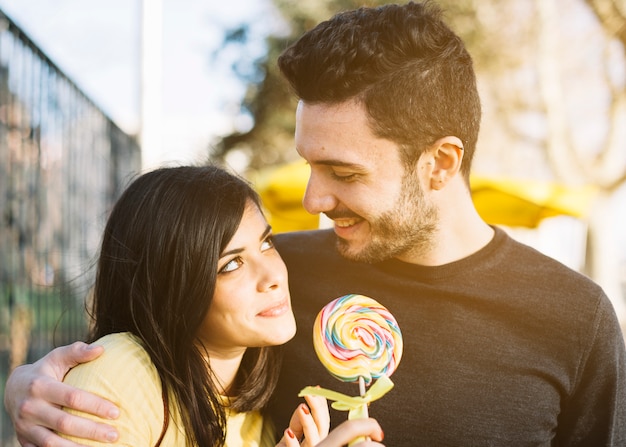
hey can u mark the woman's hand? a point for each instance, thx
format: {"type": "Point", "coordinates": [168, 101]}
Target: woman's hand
{"type": "Point", "coordinates": [344, 434]}
{"type": "Point", "coordinates": [310, 423]}
{"type": "Point", "coordinates": [35, 394]}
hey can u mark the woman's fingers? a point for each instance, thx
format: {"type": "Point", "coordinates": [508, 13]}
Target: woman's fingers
{"type": "Point", "coordinates": [309, 427]}
{"type": "Point", "coordinates": [353, 429]}
{"type": "Point", "coordinates": [304, 423]}
{"type": "Point", "coordinates": [318, 407]}
{"type": "Point", "coordinates": [310, 422]}
{"type": "Point", "coordinates": [289, 439]}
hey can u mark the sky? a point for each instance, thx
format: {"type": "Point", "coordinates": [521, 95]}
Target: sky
{"type": "Point", "coordinates": [97, 44]}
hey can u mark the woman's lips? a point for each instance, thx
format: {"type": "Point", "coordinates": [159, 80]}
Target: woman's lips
{"type": "Point", "coordinates": [275, 310]}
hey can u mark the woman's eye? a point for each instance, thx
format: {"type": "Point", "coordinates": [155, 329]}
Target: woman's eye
{"type": "Point", "coordinates": [267, 244]}
{"type": "Point", "coordinates": [231, 265]}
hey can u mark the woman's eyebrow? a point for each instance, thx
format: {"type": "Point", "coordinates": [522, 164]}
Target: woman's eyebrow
{"type": "Point", "coordinates": [234, 251]}
{"type": "Point", "coordinates": [267, 231]}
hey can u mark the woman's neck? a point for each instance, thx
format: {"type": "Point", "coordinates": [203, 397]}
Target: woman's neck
{"type": "Point", "coordinates": [225, 366]}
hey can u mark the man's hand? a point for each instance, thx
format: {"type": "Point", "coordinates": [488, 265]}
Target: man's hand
{"type": "Point", "coordinates": [34, 397]}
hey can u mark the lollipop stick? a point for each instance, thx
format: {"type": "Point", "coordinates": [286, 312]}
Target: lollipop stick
{"type": "Point", "coordinates": [361, 413]}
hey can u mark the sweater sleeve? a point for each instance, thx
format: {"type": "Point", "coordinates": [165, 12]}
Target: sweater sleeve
{"type": "Point", "coordinates": [594, 414]}
{"type": "Point", "coordinates": [124, 375]}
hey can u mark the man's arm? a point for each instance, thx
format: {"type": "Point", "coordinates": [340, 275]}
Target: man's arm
{"type": "Point", "coordinates": [595, 413]}
{"type": "Point", "coordinates": [35, 394]}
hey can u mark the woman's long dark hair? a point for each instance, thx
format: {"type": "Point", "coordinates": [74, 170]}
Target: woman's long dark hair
{"type": "Point", "coordinates": [156, 278]}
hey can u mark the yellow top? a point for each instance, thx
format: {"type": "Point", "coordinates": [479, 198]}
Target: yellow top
{"type": "Point", "coordinates": [125, 375]}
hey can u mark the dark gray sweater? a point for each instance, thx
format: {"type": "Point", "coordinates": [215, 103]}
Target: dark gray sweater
{"type": "Point", "coordinates": [504, 348]}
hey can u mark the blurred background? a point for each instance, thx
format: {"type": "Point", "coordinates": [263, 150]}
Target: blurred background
{"type": "Point", "coordinates": [94, 92]}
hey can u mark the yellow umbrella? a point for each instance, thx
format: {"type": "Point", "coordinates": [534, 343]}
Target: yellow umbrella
{"type": "Point", "coordinates": [282, 189]}
{"type": "Point", "coordinates": [525, 203]}
{"type": "Point", "coordinates": [509, 202]}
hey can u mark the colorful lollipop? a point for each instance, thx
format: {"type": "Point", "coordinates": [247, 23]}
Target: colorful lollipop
{"type": "Point", "coordinates": [355, 337]}
{"type": "Point", "coordinates": [357, 340]}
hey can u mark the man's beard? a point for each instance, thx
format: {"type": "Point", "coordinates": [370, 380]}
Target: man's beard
{"type": "Point", "coordinates": [408, 228]}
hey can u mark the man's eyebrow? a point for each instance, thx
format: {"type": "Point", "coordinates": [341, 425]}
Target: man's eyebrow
{"type": "Point", "coordinates": [339, 163]}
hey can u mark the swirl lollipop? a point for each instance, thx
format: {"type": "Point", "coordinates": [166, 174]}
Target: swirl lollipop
{"type": "Point", "coordinates": [356, 338]}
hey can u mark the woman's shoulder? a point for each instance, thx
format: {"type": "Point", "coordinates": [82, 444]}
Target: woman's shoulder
{"type": "Point", "coordinates": [124, 359]}
{"type": "Point", "coordinates": [125, 375]}
{"type": "Point", "coordinates": [119, 343]}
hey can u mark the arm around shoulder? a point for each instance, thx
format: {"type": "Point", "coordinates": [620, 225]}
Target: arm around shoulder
{"type": "Point", "coordinates": [126, 376]}
{"type": "Point", "coordinates": [34, 392]}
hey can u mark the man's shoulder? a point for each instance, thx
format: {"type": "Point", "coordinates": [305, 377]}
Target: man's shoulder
{"type": "Point", "coordinates": [532, 262]}
{"type": "Point", "coordinates": [305, 236]}
{"type": "Point", "coordinates": [546, 281]}
{"type": "Point", "coordinates": [305, 242]}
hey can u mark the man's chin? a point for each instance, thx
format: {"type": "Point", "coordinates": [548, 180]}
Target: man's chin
{"type": "Point", "coordinates": [347, 250]}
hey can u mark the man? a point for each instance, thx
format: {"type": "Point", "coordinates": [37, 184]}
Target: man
{"type": "Point", "coordinates": [502, 345]}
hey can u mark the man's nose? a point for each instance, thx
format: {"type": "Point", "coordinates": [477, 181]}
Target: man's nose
{"type": "Point", "coordinates": [318, 197]}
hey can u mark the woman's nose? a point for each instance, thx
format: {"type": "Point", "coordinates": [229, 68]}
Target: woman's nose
{"type": "Point", "coordinates": [273, 275]}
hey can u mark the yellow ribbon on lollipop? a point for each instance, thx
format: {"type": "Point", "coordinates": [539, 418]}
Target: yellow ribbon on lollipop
{"type": "Point", "coordinates": [352, 404]}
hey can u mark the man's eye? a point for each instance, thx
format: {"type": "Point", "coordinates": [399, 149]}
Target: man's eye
{"type": "Point", "coordinates": [344, 176]}
{"type": "Point", "coordinates": [232, 265]}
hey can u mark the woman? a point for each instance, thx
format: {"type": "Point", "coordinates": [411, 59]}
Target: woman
{"type": "Point", "coordinates": [191, 302]}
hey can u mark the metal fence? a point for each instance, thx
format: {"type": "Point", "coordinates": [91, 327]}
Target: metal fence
{"type": "Point", "coordinates": [62, 164]}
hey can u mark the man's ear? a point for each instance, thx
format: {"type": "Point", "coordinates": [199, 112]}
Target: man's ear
{"type": "Point", "coordinates": [447, 153]}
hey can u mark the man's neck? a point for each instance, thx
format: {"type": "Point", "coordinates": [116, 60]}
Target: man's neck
{"type": "Point", "coordinates": [461, 233]}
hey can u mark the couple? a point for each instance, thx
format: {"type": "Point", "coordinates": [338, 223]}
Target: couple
{"type": "Point", "coordinates": [502, 345]}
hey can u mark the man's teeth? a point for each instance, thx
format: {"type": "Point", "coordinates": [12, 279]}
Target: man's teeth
{"type": "Point", "coordinates": [345, 223]}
